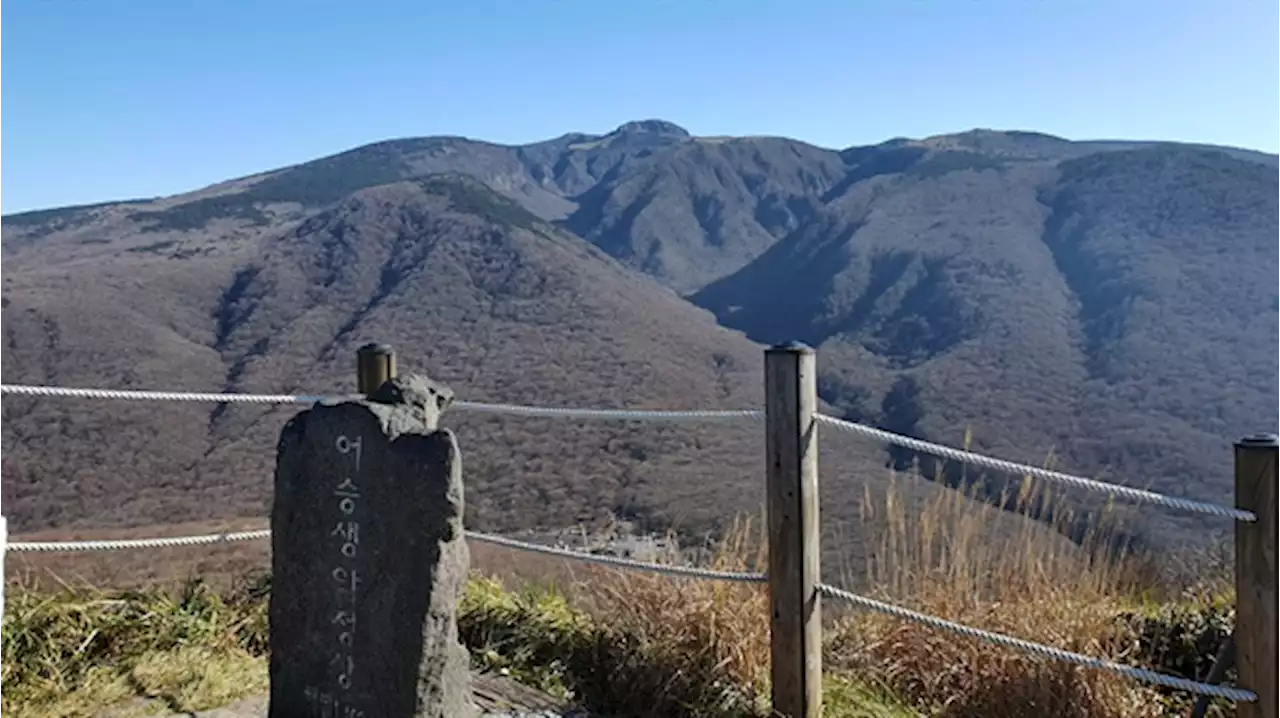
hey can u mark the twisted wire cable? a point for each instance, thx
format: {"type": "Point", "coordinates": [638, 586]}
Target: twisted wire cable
{"type": "Point", "coordinates": [116, 545]}
{"type": "Point", "coordinates": [1011, 467]}
{"type": "Point", "coordinates": [468, 406]}
{"type": "Point", "coordinates": [60, 391]}
{"type": "Point", "coordinates": [619, 562]}
{"type": "Point", "coordinates": [622, 414]}
{"type": "Point", "coordinates": [614, 561]}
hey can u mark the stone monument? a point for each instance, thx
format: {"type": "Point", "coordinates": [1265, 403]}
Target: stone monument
{"type": "Point", "coordinates": [369, 560]}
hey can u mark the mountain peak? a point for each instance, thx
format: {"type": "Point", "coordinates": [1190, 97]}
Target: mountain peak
{"type": "Point", "coordinates": [652, 127]}
{"type": "Point", "coordinates": [999, 143]}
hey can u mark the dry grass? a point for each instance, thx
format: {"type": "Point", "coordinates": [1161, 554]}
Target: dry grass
{"type": "Point", "coordinates": [708, 640]}
{"type": "Point", "coordinates": [1092, 596]}
{"type": "Point", "coordinates": [639, 644]}
{"type": "Point", "coordinates": [1035, 587]}
{"type": "Point", "coordinates": [702, 641]}
{"type": "Point", "coordinates": [70, 652]}
{"type": "Point", "coordinates": [634, 644]}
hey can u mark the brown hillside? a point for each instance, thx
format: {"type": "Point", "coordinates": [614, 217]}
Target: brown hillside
{"type": "Point", "coordinates": [470, 287]}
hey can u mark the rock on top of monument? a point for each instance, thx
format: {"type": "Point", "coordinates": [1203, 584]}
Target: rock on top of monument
{"type": "Point", "coordinates": [416, 392]}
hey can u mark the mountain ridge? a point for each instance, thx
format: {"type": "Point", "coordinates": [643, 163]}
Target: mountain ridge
{"type": "Point", "coordinates": [1028, 288]}
{"type": "Point", "coordinates": [568, 138]}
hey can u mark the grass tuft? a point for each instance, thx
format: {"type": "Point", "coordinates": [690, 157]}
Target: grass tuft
{"type": "Point", "coordinates": [70, 651]}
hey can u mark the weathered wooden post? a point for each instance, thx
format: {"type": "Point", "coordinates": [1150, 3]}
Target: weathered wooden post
{"type": "Point", "coordinates": [1256, 594]}
{"type": "Point", "coordinates": [4, 548]}
{"type": "Point", "coordinates": [368, 557]}
{"type": "Point", "coordinates": [791, 400]}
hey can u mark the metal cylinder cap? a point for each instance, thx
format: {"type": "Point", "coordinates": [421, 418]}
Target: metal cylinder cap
{"type": "Point", "coordinates": [1259, 440]}
{"type": "Point", "coordinates": [791, 346]}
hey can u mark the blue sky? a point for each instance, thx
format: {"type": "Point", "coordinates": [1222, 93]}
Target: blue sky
{"type": "Point", "coordinates": [112, 99]}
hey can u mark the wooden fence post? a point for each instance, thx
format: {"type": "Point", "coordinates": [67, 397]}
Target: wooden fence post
{"type": "Point", "coordinates": [375, 364]}
{"type": "Point", "coordinates": [795, 619]}
{"type": "Point", "coordinates": [1256, 644]}
{"type": "Point", "coordinates": [4, 548]}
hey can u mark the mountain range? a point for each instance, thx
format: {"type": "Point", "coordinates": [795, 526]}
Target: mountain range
{"type": "Point", "coordinates": [1106, 305]}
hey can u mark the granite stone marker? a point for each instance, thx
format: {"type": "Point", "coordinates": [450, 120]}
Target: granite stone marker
{"type": "Point", "coordinates": [369, 560]}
